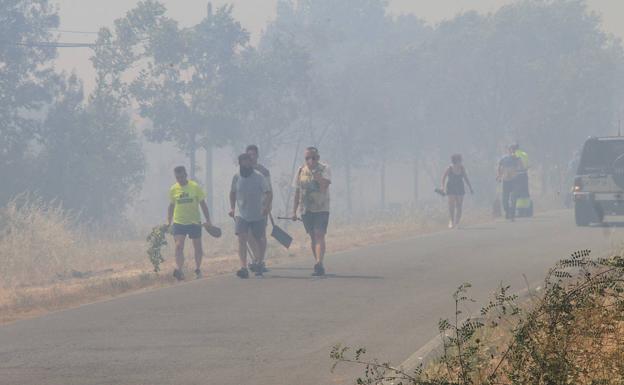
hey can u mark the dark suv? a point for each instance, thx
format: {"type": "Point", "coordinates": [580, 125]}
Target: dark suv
{"type": "Point", "coordinates": [599, 182]}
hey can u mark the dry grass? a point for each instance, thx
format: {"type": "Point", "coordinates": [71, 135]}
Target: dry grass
{"type": "Point", "coordinates": [551, 340]}
{"type": "Point", "coordinates": [48, 263]}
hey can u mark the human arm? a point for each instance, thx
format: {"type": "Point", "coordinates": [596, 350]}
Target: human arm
{"type": "Point", "coordinates": [296, 203]}
{"type": "Point", "coordinates": [233, 196]}
{"type": "Point", "coordinates": [297, 185]}
{"type": "Point", "coordinates": [444, 177]}
{"type": "Point", "coordinates": [465, 175]}
{"type": "Point", "coordinates": [170, 213]}
{"type": "Point", "coordinates": [267, 197]}
{"type": "Point", "coordinates": [204, 208]}
{"type": "Point", "coordinates": [323, 177]}
{"type": "Point", "coordinates": [266, 203]}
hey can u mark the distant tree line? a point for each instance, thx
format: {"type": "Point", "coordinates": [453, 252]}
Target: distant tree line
{"type": "Point", "coordinates": [366, 87]}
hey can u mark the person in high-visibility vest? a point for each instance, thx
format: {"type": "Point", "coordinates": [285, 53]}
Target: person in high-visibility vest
{"type": "Point", "coordinates": [522, 179]}
{"type": "Point", "coordinates": [524, 157]}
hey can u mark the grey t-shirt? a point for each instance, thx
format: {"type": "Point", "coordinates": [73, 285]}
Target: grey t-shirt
{"type": "Point", "coordinates": [510, 165]}
{"type": "Point", "coordinates": [250, 193]}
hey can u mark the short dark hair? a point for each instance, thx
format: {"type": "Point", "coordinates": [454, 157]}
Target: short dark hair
{"type": "Point", "coordinates": [456, 158]}
{"type": "Point", "coordinates": [242, 157]}
{"type": "Point", "coordinates": [252, 147]}
{"type": "Point", "coordinates": [313, 150]}
{"type": "Point", "coordinates": [180, 170]}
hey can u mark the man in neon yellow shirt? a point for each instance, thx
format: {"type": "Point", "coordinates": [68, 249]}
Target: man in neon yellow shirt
{"type": "Point", "coordinates": [522, 180]}
{"type": "Point", "coordinates": [184, 218]}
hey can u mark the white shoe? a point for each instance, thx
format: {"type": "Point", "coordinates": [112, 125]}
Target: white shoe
{"type": "Point", "coordinates": [451, 225]}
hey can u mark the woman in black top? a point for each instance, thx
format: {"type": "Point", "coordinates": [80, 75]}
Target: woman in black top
{"type": "Point", "coordinates": [453, 186]}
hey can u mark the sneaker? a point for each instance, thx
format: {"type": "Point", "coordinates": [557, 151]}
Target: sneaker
{"type": "Point", "coordinates": [178, 274]}
{"type": "Point", "coordinates": [243, 273]}
{"type": "Point", "coordinates": [450, 225]}
{"type": "Point", "coordinates": [259, 269]}
{"type": "Point", "coordinates": [319, 270]}
{"type": "Point", "coordinates": [198, 274]}
{"type": "Point", "coordinates": [252, 267]}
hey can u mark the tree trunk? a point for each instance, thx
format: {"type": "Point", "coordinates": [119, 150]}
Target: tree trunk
{"type": "Point", "coordinates": [192, 155]}
{"type": "Point", "coordinates": [382, 183]}
{"type": "Point", "coordinates": [544, 178]}
{"type": "Point", "coordinates": [208, 185]}
{"type": "Point", "coordinates": [415, 176]}
{"type": "Point", "coordinates": [348, 181]}
{"type": "Point", "coordinates": [294, 169]}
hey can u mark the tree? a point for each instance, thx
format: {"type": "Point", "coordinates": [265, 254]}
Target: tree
{"type": "Point", "coordinates": [184, 76]}
{"type": "Point", "coordinates": [26, 78]}
{"type": "Point", "coordinates": [91, 159]}
{"type": "Point", "coordinates": [273, 92]}
{"type": "Point", "coordinates": [341, 37]}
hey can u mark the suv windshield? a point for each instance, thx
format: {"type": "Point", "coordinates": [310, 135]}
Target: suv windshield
{"type": "Point", "coordinates": [599, 155]}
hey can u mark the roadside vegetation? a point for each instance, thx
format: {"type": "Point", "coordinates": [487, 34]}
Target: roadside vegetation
{"type": "Point", "coordinates": [50, 260]}
{"type": "Point", "coordinates": [569, 332]}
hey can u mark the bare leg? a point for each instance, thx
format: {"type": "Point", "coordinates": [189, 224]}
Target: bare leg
{"type": "Point", "coordinates": [242, 249]}
{"type": "Point", "coordinates": [253, 245]}
{"type": "Point", "coordinates": [179, 250]}
{"type": "Point", "coordinates": [319, 252]}
{"type": "Point", "coordinates": [256, 247]}
{"type": "Point", "coordinates": [313, 244]}
{"type": "Point", "coordinates": [199, 252]}
{"type": "Point", "coordinates": [451, 204]}
{"type": "Point", "coordinates": [262, 248]}
{"type": "Point", "coordinates": [459, 200]}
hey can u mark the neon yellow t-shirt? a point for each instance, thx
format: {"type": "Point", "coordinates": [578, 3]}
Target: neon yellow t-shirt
{"type": "Point", "coordinates": [186, 200]}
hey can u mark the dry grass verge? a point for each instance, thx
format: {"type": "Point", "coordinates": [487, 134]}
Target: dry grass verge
{"type": "Point", "coordinates": [49, 263]}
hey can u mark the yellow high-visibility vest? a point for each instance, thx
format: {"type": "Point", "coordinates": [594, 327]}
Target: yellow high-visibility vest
{"type": "Point", "coordinates": [524, 157]}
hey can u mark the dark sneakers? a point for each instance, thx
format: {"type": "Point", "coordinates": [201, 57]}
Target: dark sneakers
{"type": "Point", "coordinates": [253, 267]}
{"type": "Point", "coordinates": [260, 269]}
{"type": "Point", "coordinates": [178, 274]}
{"type": "Point", "coordinates": [243, 273]}
{"type": "Point", "coordinates": [198, 274]}
{"type": "Point", "coordinates": [319, 270]}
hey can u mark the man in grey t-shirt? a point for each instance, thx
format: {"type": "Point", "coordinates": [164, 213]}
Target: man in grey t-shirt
{"type": "Point", "coordinates": [250, 201]}
{"type": "Point", "coordinates": [254, 153]}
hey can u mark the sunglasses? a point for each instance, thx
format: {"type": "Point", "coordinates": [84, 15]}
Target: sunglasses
{"type": "Point", "coordinates": [310, 158]}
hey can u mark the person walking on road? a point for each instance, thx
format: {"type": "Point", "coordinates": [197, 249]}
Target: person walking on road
{"type": "Point", "coordinates": [508, 169]}
{"type": "Point", "coordinates": [184, 219]}
{"type": "Point", "coordinates": [522, 179]}
{"type": "Point", "coordinates": [453, 185]}
{"type": "Point", "coordinates": [250, 201]}
{"type": "Point", "coordinates": [312, 201]}
{"type": "Point", "coordinates": [252, 151]}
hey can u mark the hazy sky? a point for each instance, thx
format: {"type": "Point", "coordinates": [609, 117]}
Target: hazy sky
{"type": "Point", "coordinates": [89, 15]}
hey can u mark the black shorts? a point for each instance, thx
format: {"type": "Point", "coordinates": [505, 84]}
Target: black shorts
{"type": "Point", "coordinates": [257, 228]}
{"type": "Point", "coordinates": [193, 231]}
{"type": "Point", "coordinates": [455, 188]}
{"type": "Point", "coordinates": [316, 221]}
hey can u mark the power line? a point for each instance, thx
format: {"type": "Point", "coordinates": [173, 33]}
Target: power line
{"type": "Point", "coordinates": [51, 44]}
{"type": "Point", "coordinates": [74, 31]}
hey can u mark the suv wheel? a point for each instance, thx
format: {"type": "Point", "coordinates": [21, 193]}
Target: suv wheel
{"type": "Point", "coordinates": [585, 213]}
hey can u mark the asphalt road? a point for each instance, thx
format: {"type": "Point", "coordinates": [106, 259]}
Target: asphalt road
{"type": "Point", "coordinates": [280, 329]}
